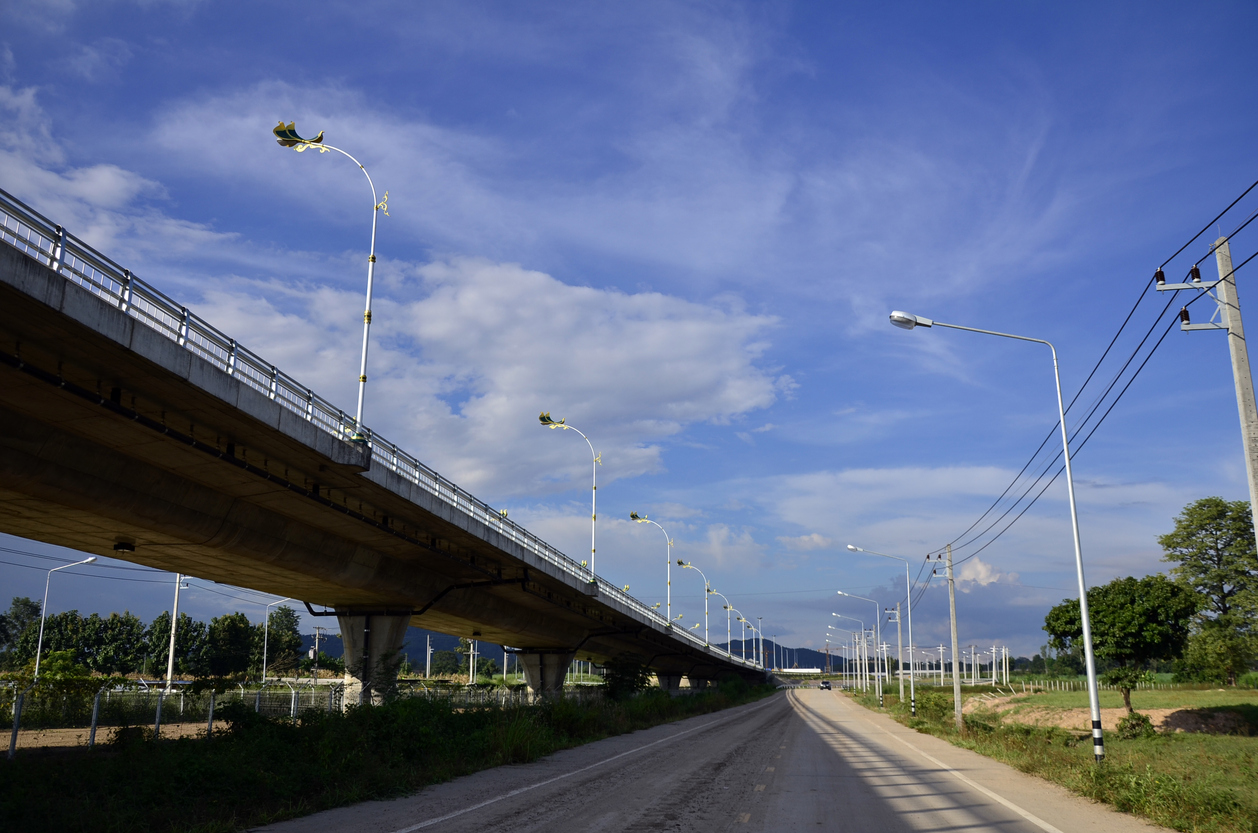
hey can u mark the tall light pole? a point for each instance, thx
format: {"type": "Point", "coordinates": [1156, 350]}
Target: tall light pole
{"type": "Point", "coordinates": [174, 622]}
{"type": "Point", "coordinates": [286, 136]}
{"type": "Point", "coordinates": [545, 420]}
{"type": "Point", "coordinates": [760, 638]}
{"type": "Point", "coordinates": [668, 561]}
{"type": "Point", "coordinates": [742, 634]}
{"type": "Point", "coordinates": [43, 611]}
{"type": "Point", "coordinates": [728, 638]}
{"type": "Point", "coordinates": [877, 640]}
{"type": "Point", "coordinates": [908, 592]}
{"type": "Point", "coordinates": [686, 565]}
{"type": "Point", "coordinates": [908, 321]}
{"type": "Point", "coordinates": [862, 650]}
{"type": "Point", "coordinates": [266, 632]}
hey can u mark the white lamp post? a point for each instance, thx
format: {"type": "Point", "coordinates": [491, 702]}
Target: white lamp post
{"type": "Point", "coordinates": [545, 420]}
{"type": "Point", "coordinates": [877, 638]}
{"type": "Point", "coordinates": [742, 634]}
{"type": "Point", "coordinates": [862, 651]}
{"type": "Point", "coordinates": [286, 136]}
{"type": "Point", "coordinates": [668, 562]}
{"type": "Point", "coordinates": [43, 611]}
{"type": "Point", "coordinates": [174, 622]}
{"type": "Point", "coordinates": [728, 638]}
{"type": "Point", "coordinates": [686, 565]}
{"type": "Point", "coordinates": [266, 632]}
{"type": "Point", "coordinates": [908, 591]}
{"type": "Point", "coordinates": [908, 321]}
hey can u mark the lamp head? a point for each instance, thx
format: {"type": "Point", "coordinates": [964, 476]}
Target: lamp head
{"type": "Point", "coordinates": [634, 516]}
{"type": "Point", "coordinates": [907, 320]}
{"type": "Point", "coordinates": [286, 136]}
{"type": "Point", "coordinates": [545, 419]}
{"type": "Point", "coordinates": [681, 563]}
{"type": "Point", "coordinates": [89, 559]}
{"type": "Point", "coordinates": [854, 548]}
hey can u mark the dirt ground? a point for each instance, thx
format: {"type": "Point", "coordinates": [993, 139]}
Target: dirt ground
{"type": "Point", "coordinates": [54, 738]}
{"type": "Point", "coordinates": [1015, 710]}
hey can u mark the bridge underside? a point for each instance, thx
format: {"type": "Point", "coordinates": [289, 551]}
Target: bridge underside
{"type": "Point", "coordinates": [116, 441]}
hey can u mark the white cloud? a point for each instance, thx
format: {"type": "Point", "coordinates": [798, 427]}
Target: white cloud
{"type": "Point", "coordinates": [813, 541]}
{"type": "Point", "coordinates": [977, 571]}
{"type": "Point", "coordinates": [101, 60]}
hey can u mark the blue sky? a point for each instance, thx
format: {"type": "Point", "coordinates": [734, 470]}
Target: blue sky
{"type": "Point", "coordinates": [681, 227]}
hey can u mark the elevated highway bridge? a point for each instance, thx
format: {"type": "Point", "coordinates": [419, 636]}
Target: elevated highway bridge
{"type": "Point", "coordinates": [130, 428]}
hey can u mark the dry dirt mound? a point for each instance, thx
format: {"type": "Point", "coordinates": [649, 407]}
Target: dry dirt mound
{"type": "Point", "coordinates": [1080, 720]}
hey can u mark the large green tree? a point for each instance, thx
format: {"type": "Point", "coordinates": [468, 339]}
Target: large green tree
{"type": "Point", "coordinates": [1212, 547]}
{"type": "Point", "coordinates": [115, 644]}
{"type": "Point", "coordinates": [62, 632]}
{"type": "Point", "coordinates": [22, 614]}
{"type": "Point", "coordinates": [230, 644]}
{"type": "Point", "coordinates": [191, 645]}
{"type": "Point", "coordinates": [1134, 622]}
{"type": "Point", "coordinates": [281, 640]}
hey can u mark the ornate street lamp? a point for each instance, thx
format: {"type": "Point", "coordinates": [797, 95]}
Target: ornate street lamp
{"type": "Point", "coordinates": [286, 136]}
{"type": "Point", "coordinates": [668, 562]}
{"type": "Point", "coordinates": [546, 421]}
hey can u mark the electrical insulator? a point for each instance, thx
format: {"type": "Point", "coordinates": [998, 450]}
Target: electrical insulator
{"type": "Point", "coordinates": [1183, 315]}
{"type": "Point", "coordinates": [1195, 274]}
{"type": "Point", "coordinates": [1159, 275]}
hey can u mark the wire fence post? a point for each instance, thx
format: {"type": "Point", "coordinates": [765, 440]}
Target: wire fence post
{"type": "Point", "coordinates": [17, 719]}
{"type": "Point", "coordinates": [157, 723]}
{"type": "Point", "coordinates": [91, 735]}
{"type": "Point", "coordinates": [209, 722]}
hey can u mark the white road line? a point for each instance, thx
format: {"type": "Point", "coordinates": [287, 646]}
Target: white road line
{"type": "Point", "coordinates": [1036, 820]}
{"type": "Point", "coordinates": [520, 790]}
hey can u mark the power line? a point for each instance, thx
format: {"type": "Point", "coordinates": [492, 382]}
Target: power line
{"type": "Point", "coordinates": [1100, 399]}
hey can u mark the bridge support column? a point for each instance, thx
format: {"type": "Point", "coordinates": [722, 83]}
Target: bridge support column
{"type": "Point", "coordinates": [697, 683]}
{"type": "Point", "coordinates": [669, 682]}
{"type": "Point", "coordinates": [373, 646]}
{"type": "Point", "coordinates": [544, 671]}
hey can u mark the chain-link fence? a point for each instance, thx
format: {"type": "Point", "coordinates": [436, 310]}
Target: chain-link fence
{"type": "Point", "coordinates": [64, 713]}
{"type": "Point", "coordinates": [84, 712]}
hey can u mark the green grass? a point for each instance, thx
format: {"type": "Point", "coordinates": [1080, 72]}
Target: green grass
{"type": "Point", "coordinates": [1188, 782]}
{"type": "Point", "coordinates": [262, 771]}
{"type": "Point", "coordinates": [1154, 698]}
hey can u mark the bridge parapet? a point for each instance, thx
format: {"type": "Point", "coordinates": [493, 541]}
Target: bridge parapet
{"type": "Point", "coordinates": [75, 261]}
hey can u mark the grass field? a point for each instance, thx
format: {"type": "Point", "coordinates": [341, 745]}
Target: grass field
{"type": "Point", "coordinates": [262, 771]}
{"type": "Point", "coordinates": [1184, 781]}
{"type": "Point", "coordinates": [1157, 698]}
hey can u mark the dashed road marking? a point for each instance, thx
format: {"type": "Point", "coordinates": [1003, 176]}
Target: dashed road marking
{"type": "Point", "coordinates": [759, 788]}
{"type": "Point", "coordinates": [518, 791]}
{"type": "Point", "coordinates": [768, 769]}
{"type": "Point", "coordinates": [745, 817]}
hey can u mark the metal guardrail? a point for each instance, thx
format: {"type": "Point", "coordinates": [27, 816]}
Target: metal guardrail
{"type": "Point", "coordinates": [51, 245]}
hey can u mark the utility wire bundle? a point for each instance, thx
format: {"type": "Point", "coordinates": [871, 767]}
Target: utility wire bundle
{"type": "Point", "coordinates": [1085, 416]}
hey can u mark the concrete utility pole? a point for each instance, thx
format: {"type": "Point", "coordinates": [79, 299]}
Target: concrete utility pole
{"type": "Point", "coordinates": [956, 649]}
{"type": "Point", "coordinates": [1229, 308]}
{"type": "Point", "coordinates": [899, 656]}
{"type": "Point", "coordinates": [174, 620]}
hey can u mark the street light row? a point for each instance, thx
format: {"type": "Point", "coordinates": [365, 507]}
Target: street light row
{"type": "Point", "coordinates": [547, 421]}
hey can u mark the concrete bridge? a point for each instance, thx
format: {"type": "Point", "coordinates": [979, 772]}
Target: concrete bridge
{"type": "Point", "coordinates": [132, 429]}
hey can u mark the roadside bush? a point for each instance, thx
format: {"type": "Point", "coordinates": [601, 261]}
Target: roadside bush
{"type": "Point", "coordinates": [1136, 725]}
{"type": "Point", "coordinates": [1249, 680]}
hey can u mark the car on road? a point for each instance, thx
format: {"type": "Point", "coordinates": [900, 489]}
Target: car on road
{"type": "Point", "coordinates": [825, 685]}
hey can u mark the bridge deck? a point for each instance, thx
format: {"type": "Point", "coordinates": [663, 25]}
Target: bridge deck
{"type": "Point", "coordinates": [129, 428]}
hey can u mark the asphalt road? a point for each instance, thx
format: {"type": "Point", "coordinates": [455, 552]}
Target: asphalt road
{"type": "Point", "coordinates": [800, 760]}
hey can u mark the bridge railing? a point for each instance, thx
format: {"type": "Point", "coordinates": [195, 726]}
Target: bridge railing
{"type": "Point", "coordinates": [51, 245]}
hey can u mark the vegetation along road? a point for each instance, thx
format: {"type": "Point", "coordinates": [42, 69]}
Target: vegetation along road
{"type": "Point", "coordinates": [803, 760]}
